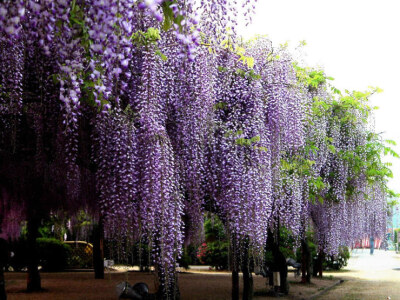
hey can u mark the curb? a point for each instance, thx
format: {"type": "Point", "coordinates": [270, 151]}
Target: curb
{"type": "Point", "coordinates": [315, 296]}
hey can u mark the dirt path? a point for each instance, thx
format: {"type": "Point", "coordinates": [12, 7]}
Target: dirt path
{"type": "Point", "coordinates": [368, 277]}
{"type": "Point", "coordinates": [193, 286]}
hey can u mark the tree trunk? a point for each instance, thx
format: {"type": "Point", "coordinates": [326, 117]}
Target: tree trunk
{"type": "Point", "coordinates": [235, 285]}
{"type": "Point", "coordinates": [247, 282]}
{"type": "Point", "coordinates": [305, 262]}
{"type": "Point", "coordinates": [321, 257]}
{"type": "Point", "coordinates": [33, 277]}
{"type": "Point", "coordinates": [279, 263]}
{"type": "Point", "coordinates": [282, 267]}
{"type": "Point", "coordinates": [235, 272]}
{"type": "Point", "coordinates": [3, 262]}
{"type": "Point", "coordinates": [3, 295]}
{"type": "Point", "coordinates": [269, 247]}
{"type": "Point", "coordinates": [98, 250]}
{"type": "Point", "coordinates": [247, 276]}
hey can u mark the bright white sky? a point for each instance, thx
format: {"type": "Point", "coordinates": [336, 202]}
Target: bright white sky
{"type": "Point", "coordinates": [355, 41]}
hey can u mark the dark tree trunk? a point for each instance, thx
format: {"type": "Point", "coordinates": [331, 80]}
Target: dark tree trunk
{"type": "Point", "coordinates": [33, 277]}
{"type": "Point", "coordinates": [305, 262]}
{"type": "Point", "coordinates": [247, 276]}
{"type": "Point", "coordinates": [321, 257]}
{"type": "Point", "coordinates": [98, 250]}
{"type": "Point", "coordinates": [3, 262]}
{"type": "Point", "coordinates": [35, 212]}
{"type": "Point", "coordinates": [279, 263]}
{"type": "Point", "coordinates": [235, 285]}
{"type": "Point", "coordinates": [3, 295]}
{"type": "Point", "coordinates": [235, 272]}
{"type": "Point", "coordinates": [247, 285]}
{"type": "Point", "coordinates": [282, 267]}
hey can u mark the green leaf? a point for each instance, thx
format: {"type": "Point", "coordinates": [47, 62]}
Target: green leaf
{"type": "Point", "coordinates": [390, 142]}
{"type": "Point", "coordinates": [220, 105]}
{"type": "Point", "coordinates": [332, 149]}
{"type": "Point", "coordinates": [168, 15]}
{"type": "Point", "coordinates": [162, 55]}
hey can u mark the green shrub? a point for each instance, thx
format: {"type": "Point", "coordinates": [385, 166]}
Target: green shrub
{"type": "Point", "coordinates": [336, 263]}
{"type": "Point", "coordinates": [214, 229]}
{"type": "Point", "coordinates": [189, 257]}
{"type": "Point", "coordinates": [286, 243]}
{"type": "Point", "coordinates": [396, 233]}
{"type": "Point", "coordinates": [215, 250]}
{"type": "Point", "coordinates": [217, 255]}
{"type": "Point", "coordinates": [52, 253]}
{"type": "Point", "coordinates": [311, 245]}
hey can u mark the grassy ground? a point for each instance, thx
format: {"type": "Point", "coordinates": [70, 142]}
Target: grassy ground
{"type": "Point", "coordinates": [193, 286]}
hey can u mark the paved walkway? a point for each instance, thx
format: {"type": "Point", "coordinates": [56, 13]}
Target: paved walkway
{"type": "Point", "coordinates": [368, 276]}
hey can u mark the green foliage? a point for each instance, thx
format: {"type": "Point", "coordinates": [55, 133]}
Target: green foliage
{"type": "Point", "coordinates": [248, 74]}
{"type": "Point", "coordinates": [396, 234]}
{"type": "Point", "coordinates": [316, 78]}
{"type": "Point", "coordinates": [338, 262]}
{"type": "Point", "coordinates": [146, 38]}
{"type": "Point", "coordinates": [53, 254]}
{"type": "Point", "coordinates": [217, 245]}
{"type": "Point", "coordinates": [241, 141]}
{"type": "Point", "coordinates": [77, 21]}
{"type": "Point", "coordinates": [214, 229]}
{"type": "Point", "coordinates": [53, 226]}
{"type": "Point", "coordinates": [247, 61]}
{"type": "Point", "coordinates": [347, 109]}
{"type": "Point", "coordinates": [330, 263]}
{"type": "Point", "coordinates": [376, 169]}
{"type": "Point", "coordinates": [247, 142]}
{"type": "Point", "coordinates": [311, 245]}
{"type": "Point", "coordinates": [310, 77]}
{"type": "Point", "coordinates": [162, 55]}
{"type": "Point", "coordinates": [353, 106]}
{"type": "Point", "coordinates": [286, 243]}
{"type": "Point", "coordinates": [220, 105]}
{"type": "Point", "coordinates": [169, 18]}
{"type": "Point", "coordinates": [189, 257]}
{"type": "Point", "coordinates": [320, 108]}
{"type": "Point", "coordinates": [217, 255]}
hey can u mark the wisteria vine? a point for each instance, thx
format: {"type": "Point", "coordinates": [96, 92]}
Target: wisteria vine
{"type": "Point", "coordinates": [152, 112]}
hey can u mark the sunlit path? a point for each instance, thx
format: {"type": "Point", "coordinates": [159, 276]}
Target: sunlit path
{"type": "Point", "coordinates": [382, 265]}
{"type": "Point", "coordinates": [368, 276]}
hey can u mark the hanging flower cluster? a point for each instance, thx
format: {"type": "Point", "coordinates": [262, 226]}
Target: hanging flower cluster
{"type": "Point", "coordinates": [11, 216]}
{"type": "Point", "coordinates": [239, 173]}
{"type": "Point", "coordinates": [115, 151]}
{"type": "Point", "coordinates": [354, 204]}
